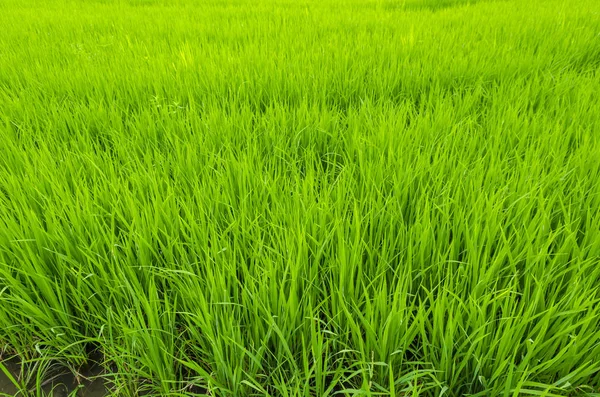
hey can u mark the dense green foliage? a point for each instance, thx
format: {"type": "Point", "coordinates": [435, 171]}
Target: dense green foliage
{"type": "Point", "coordinates": [303, 198]}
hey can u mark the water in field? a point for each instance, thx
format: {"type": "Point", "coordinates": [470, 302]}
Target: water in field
{"type": "Point", "coordinates": [61, 385]}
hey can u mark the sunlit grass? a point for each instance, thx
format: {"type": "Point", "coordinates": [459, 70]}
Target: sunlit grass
{"type": "Point", "coordinates": [302, 198]}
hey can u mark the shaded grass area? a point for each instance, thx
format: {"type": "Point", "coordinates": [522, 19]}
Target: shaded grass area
{"type": "Point", "coordinates": [301, 199]}
{"type": "Point", "coordinates": [430, 5]}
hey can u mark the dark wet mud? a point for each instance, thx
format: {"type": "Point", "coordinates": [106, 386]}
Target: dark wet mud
{"type": "Point", "coordinates": [59, 385]}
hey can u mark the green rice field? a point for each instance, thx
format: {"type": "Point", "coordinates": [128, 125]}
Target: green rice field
{"type": "Point", "coordinates": [300, 198]}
